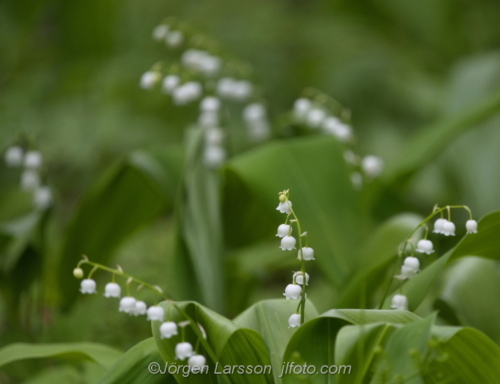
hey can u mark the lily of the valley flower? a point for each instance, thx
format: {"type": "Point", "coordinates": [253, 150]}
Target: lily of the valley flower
{"type": "Point", "coordinates": [127, 304]}
{"type": "Point", "coordinates": [307, 253]}
{"type": "Point", "coordinates": [196, 362]}
{"type": "Point", "coordinates": [88, 286]}
{"type": "Point", "coordinates": [183, 350]}
{"type": "Point", "coordinates": [168, 329]}
{"type": "Point", "coordinates": [156, 312]}
{"type": "Point", "coordinates": [294, 321]}
{"type": "Point", "coordinates": [425, 246]}
{"type": "Point", "coordinates": [140, 308]}
{"type": "Point", "coordinates": [293, 291]}
{"type": "Point", "coordinates": [33, 160]}
{"type": "Point", "coordinates": [471, 226]}
{"type": "Point", "coordinates": [298, 278]}
{"type": "Point", "coordinates": [448, 228]}
{"type": "Point", "coordinates": [112, 290]}
{"type": "Point", "coordinates": [410, 267]}
{"type": "Point", "coordinates": [285, 207]}
{"type": "Point", "coordinates": [400, 302]}
{"type": "Point", "coordinates": [284, 230]}
{"type": "Point", "coordinates": [438, 225]}
{"type": "Point", "coordinates": [288, 243]}
{"type": "Point", "coordinates": [14, 156]}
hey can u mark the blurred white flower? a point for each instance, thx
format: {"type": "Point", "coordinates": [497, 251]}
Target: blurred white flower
{"type": "Point", "coordinates": [160, 32]}
{"type": "Point", "coordinates": [140, 308]}
{"type": "Point", "coordinates": [210, 104]}
{"type": "Point", "coordinates": [149, 79]}
{"type": "Point", "coordinates": [315, 117]}
{"type": "Point", "coordinates": [112, 290]}
{"type": "Point", "coordinates": [183, 350]}
{"type": "Point", "coordinates": [471, 226]}
{"type": "Point", "coordinates": [170, 82]}
{"type": "Point", "coordinates": [156, 312]}
{"type": "Point", "coordinates": [399, 302]}
{"type": "Point", "coordinates": [372, 165]}
{"type": "Point", "coordinates": [294, 321]}
{"type": "Point", "coordinates": [127, 304]}
{"type": "Point", "coordinates": [197, 362]}
{"type": "Point", "coordinates": [30, 180]}
{"type": "Point", "coordinates": [438, 225]}
{"type": "Point", "coordinates": [208, 119]}
{"type": "Point", "coordinates": [301, 107]}
{"type": "Point", "coordinates": [333, 126]}
{"type": "Point", "coordinates": [14, 156]}
{"type": "Point", "coordinates": [425, 246]}
{"type": "Point", "coordinates": [254, 111]}
{"type": "Point", "coordinates": [214, 156]}
{"type": "Point", "coordinates": [174, 38]}
{"type": "Point", "coordinates": [410, 267]}
{"type": "Point", "coordinates": [288, 243]}
{"type": "Point", "coordinates": [42, 197]}
{"type": "Point", "coordinates": [88, 286]}
{"type": "Point", "coordinates": [33, 160]}
{"type": "Point", "coordinates": [187, 92]}
{"type": "Point", "coordinates": [214, 136]}
{"type": "Point", "coordinates": [448, 228]}
{"type": "Point", "coordinates": [168, 329]}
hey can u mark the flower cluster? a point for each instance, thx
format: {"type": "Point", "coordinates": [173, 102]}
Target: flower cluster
{"type": "Point", "coordinates": [323, 113]}
{"type": "Point", "coordinates": [297, 289]}
{"type": "Point", "coordinates": [31, 180]}
{"type": "Point", "coordinates": [411, 264]}
{"type": "Point", "coordinates": [134, 307]}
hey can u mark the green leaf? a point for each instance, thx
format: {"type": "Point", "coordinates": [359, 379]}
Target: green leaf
{"type": "Point", "coordinates": [140, 364]}
{"type": "Point", "coordinates": [226, 344]}
{"type": "Point", "coordinates": [270, 319]}
{"type": "Point", "coordinates": [101, 354]}
{"type": "Point", "coordinates": [127, 197]}
{"type": "Point", "coordinates": [314, 342]}
{"type": "Point", "coordinates": [324, 201]}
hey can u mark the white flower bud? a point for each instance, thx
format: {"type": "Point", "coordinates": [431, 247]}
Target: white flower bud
{"type": "Point", "coordinates": [214, 156]}
{"type": "Point", "coordinates": [149, 79]}
{"type": "Point", "coordinates": [471, 226]}
{"type": "Point", "coordinates": [294, 321]}
{"type": "Point", "coordinates": [448, 228]}
{"type": "Point", "coordinates": [241, 90]}
{"type": "Point", "coordinates": [400, 302]}
{"type": "Point", "coordinates": [298, 278]}
{"type": "Point", "coordinates": [209, 119]}
{"type": "Point", "coordinates": [156, 312]}
{"type": "Point", "coordinates": [30, 180]}
{"type": "Point", "coordinates": [315, 117]}
{"type": "Point", "coordinates": [284, 230]}
{"type": "Point", "coordinates": [170, 82]}
{"type": "Point", "coordinates": [288, 243]}
{"type": "Point", "coordinates": [210, 104]}
{"type": "Point", "coordinates": [168, 329]}
{"type": "Point", "coordinates": [183, 350]}
{"type": "Point", "coordinates": [160, 32]}
{"type": "Point", "coordinates": [197, 362]}
{"type": "Point", "coordinates": [293, 291]}
{"type": "Point", "coordinates": [127, 304]}
{"type": "Point", "coordinates": [42, 197]}
{"type": "Point", "coordinates": [174, 39]}
{"type": "Point", "coordinates": [438, 225]}
{"type": "Point", "coordinates": [341, 131]}
{"type": "Point", "coordinates": [112, 290]}
{"type": "Point", "coordinates": [425, 246]}
{"type": "Point", "coordinates": [78, 273]}
{"type": "Point", "coordinates": [88, 286]}
{"type": "Point", "coordinates": [307, 252]}
{"type": "Point", "coordinates": [301, 107]}
{"type": "Point", "coordinates": [33, 160]}
{"type": "Point", "coordinates": [372, 166]}
{"type": "Point", "coordinates": [254, 112]}
{"type": "Point", "coordinates": [13, 156]}
{"type": "Point", "coordinates": [285, 207]}
{"type": "Point", "coordinates": [140, 308]}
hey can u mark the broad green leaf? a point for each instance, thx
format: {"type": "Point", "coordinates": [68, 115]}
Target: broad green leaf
{"type": "Point", "coordinates": [485, 244]}
{"type": "Point", "coordinates": [226, 344]}
{"type": "Point", "coordinates": [140, 364]}
{"type": "Point", "coordinates": [270, 319]}
{"type": "Point", "coordinates": [130, 195]}
{"type": "Point", "coordinates": [314, 342]}
{"type": "Point", "coordinates": [432, 140]}
{"type": "Point", "coordinates": [376, 256]}
{"type": "Point", "coordinates": [469, 288]}
{"type": "Point", "coordinates": [101, 354]}
{"type": "Point", "coordinates": [324, 201]}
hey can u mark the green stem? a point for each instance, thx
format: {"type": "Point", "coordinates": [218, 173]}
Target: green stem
{"type": "Point", "coordinates": [302, 303]}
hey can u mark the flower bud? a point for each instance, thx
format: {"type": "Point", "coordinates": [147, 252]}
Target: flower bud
{"type": "Point", "coordinates": [294, 321]}
{"type": "Point", "coordinates": [78, 273]}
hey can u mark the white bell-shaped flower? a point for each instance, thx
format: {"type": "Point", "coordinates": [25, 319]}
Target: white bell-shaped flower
{"type": "Point", "coordinates": [208, 119]}
{"type": "Point", "coordinates": [285, 207]}
{"type": "Point", "coordinates": [160, 32]}
{"type": "Point", "coordinates": [156, 312]}
{"type": "Point", "coordinates": [315, 117]}
{"type": "Point", "coordinates": [258, 130]}
{"type": "Point", "coordinates": [214, 156]}
{"type": "Point", "coordinates": [88, 286]}
{"type": "Point", "coordinates": [112, 290]}
{"type": "Point", "coordinates": [42, 197]}
{"type": "Point", "coordinates": [372, 166]}
{"type": "Point", "coordinates": [400, 302]}
{"type": "Point", "coordinates": [210, 104]}
{"type": "Point", "coordinates": [307, 253]}
{"type": "Point", "coordinates": [284, 230]}
{"type": "Point", "coordinates": [33, 160]}
{"type": "Point", "coordinates": [410, 267]}
{"type": "Point", "coordinates": [174, 39]}
{"type": "Point", "coordinates": [425, 246]}
{"type": "Point", "coordinates": [241, 90]}
{"type": "Point", "coordinates": [288, 243]}
{"type": "Point", "coordinates": [127, 304]}
{"type": "Point", "coordinates": [149, 79]}
{"type": "Point", "coordinates": [168, 329]}
{"type": "Point", "coordinates": [254, 112]}
{"type": "Point", "coordinates": [30, 180]}
{"type": "Point", "coordinates": [341, 131]}
{"type": "Point", "coordinates": [140, 308]}
{"type": "Point", "coordinates": [448, 228]}
{"type": "Point", "coordinates": [14, 156]}
{"type": "Point", "coordinates": [293, 291]}
{"type": "Point", "coordinates": [214, 136]}
{"type": "Point", "coordinates": [294, 321]}
{"type": "Point", "coordinates": [301, 107]}
{"type": "Point", "coordinates": [438, 225]}
{"type": "Point", "coordinates": [170, 82]}
{"type": "Point", "coordinates": [298, 278]}
{"type": "Point", "coordinates": [197, 362]}
{"type": "Point", "coordinates": [183, 350]}
{"type": "Point", "coordinates": [471, 226]}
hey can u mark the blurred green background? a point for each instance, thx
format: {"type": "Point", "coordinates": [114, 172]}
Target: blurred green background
{"type": "Point", "coordinates": [70, 75]}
